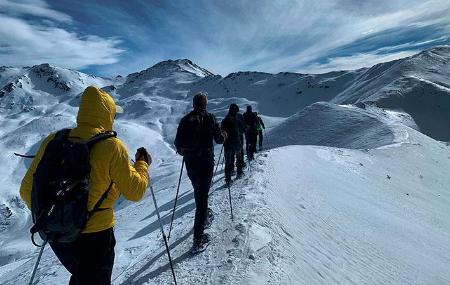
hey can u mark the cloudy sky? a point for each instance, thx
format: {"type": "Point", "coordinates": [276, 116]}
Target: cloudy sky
{"type": "Point", "coordinates": [119, 37]}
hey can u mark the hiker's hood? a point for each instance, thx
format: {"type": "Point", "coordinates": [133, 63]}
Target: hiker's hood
{"type": "Point", "coordinates": [97, 109]}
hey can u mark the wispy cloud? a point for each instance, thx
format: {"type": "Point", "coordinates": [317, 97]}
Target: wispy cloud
{"type": "Point", "coordinates": [225, 36]}
{"type": "Point", "coordinates": [33, 33]}
{"type": "Point", "coordinates": [356, 61]}
{"type": "Point", "coordinates": [38, 8]}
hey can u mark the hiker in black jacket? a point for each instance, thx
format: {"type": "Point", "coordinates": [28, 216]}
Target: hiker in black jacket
{"type": "Point", "coordinates": [233, 144]}
{"type": "Point", "coordinates": [194, 141]}
{"type": "Point", "coordinates": [251, 133]}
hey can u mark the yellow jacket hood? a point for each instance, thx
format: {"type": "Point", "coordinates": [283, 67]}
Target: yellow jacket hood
{"type": "Point", "coordinates": [97, 109]}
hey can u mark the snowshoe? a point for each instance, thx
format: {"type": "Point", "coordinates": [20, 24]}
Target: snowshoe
{"type": "Point", "coordinates": [209, 218]}
{"type": "Point", "coordinates": [200, 244]}
{"type": "Point", "coordinates": [239, 175]}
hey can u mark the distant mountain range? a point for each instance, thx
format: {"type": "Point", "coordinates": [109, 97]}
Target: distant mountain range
{"type": "Point", "coordinates": [418, 85]}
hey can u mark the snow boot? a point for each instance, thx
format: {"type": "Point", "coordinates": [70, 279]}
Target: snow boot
{"type": "Point", "coordinates": [209, 218]}
{"type": "Point", "coordinates": [200, 244]}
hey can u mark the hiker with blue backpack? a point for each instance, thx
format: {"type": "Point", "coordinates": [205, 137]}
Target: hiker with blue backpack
{"type": "Point", "coordinates": [73, 183]}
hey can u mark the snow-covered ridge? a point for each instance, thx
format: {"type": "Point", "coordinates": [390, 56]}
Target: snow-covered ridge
{"type": "Point", "coordinates": [333, 125]}
{"type": "Point", "coordinates": [359, 120]}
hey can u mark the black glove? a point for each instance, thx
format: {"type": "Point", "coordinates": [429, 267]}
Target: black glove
{"type": "Point", "coordinates": [142, 154]}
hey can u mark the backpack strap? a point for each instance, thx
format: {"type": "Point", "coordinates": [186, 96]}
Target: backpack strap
{"type": "Point", "coordinates": [100, 137]}
{"type": "Point", "coordinates": [100, 201]}
{"type": "Point", "coordinates": [62, 134]}
{"type": "Point", "coordinates": [90, 142]}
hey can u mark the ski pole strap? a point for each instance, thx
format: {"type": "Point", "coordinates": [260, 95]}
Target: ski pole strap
{"type": "Point", "coordinates": [100, 201]}
{"type": "Point", "coordinates": [24, 155]}
{"type": "Point", "coordinates": [34, 241]}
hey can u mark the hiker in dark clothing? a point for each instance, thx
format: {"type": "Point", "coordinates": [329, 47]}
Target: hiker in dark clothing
{"type": "Point", "coordinates": [251, 133]}
{"type": "Point", "coordinates": [240, 118]}
{"type": "Point", "coordinates": [260, 127]}
{"type": "Point", "coordinates": [233, 145]}
{"type": "Point", "coordinates": [194, 141]}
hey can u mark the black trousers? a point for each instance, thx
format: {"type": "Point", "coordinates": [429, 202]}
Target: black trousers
{"type": "Point", "coordinates": [261, 137]}
{"type": "Point", "coordinates": [90, 259]}
{"type": "Point", "coordinates": [232, 155]}
{"type": "Point", "coordinates": [200, 171]}
{"type": "Point", "coordinates": [251, 140]}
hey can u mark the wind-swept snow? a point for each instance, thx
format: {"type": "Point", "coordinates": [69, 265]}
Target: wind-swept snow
{"type": "Point", "coordinates": [351, 217]}
{"type": "Point", "coordinates": [332, 125]}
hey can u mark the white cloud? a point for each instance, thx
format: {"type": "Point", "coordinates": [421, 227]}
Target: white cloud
{"type": "Point", "coordinates": [37, 8]}
{"type": "Point", "coordinates": [28, 43]}
{"type": "Point", "coordinates": [355, 61]}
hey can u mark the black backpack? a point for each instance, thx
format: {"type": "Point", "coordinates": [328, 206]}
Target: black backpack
{"type": "Point", "coordinates": [196, 132]}
{"type": "Point", "coordinates": [60, 190]}
{"type": "Point", "coordinates": [232, 126]}
{"type": "Point", "coordinates": [251, 120]}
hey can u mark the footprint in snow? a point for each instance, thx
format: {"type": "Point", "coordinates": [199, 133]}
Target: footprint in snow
{"type": "Point", "coordinates": [240, 227]}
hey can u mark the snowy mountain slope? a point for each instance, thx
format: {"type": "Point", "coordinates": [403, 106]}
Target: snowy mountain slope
{"type": "Point", "coordinates": [342, 126]}
{"type": "Point", "coordinates": [278, 95]}
{"type": "Point", "coordinates": [171, 78]}
{"type": "Point", "coordinates": [7, 74]}
{"type": "Point", "coordinates": [419, 85]}
{"type": "Point", "coordinates": [335, 216]}
{"type": "Point", "coordinates": [41, 86]}
{"type": "Point", "coordinates": [156, 98]}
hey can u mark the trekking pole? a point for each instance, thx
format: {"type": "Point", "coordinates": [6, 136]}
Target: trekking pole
{"type": "Point", "coordinates": [163, 234]}
{"type": "Point", "coordinates": [218, 162]}
{"type": "Point", "coordinates": [37, 262]}
{"type": "Point", "coordinates": [176, 199]}
{"type": "Point", "coordinates": [231, 205]}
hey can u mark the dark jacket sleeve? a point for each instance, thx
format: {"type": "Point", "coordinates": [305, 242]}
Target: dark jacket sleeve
{"type": "Point", "coordinates": [217, 133]}
{"type": "Point", "coordinates": [241, 125]}
{"type": "Point", "coordinates": [261, 122]}
{"type": "Point", "coordinates": [179, 138]}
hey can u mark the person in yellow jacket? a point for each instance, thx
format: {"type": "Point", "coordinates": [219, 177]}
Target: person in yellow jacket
{"type": "Point", "coordinates": [90, 258]}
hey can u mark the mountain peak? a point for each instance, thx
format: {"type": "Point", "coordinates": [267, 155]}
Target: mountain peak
{"type": "Point", "coordinates": [436, 52]}
{"type": "Point", "coordinates": [182, 65]}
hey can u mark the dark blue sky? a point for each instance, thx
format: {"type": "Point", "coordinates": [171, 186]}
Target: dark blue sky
{"type": "Point", "coordinates": [120, 37]}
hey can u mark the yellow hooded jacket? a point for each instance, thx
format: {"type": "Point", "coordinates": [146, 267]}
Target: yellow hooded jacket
{"type": "Point", "coordinates": [109, 161]}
